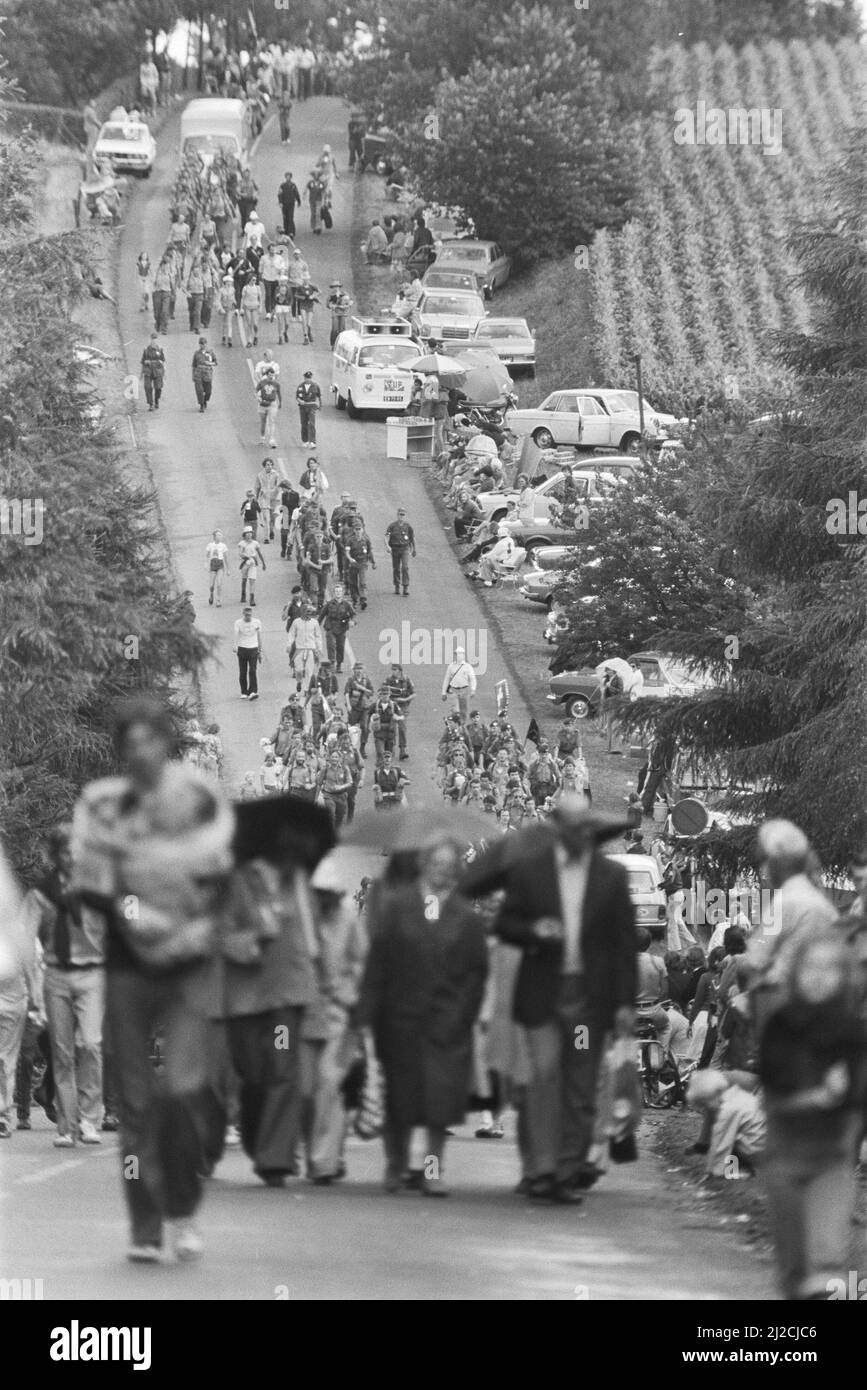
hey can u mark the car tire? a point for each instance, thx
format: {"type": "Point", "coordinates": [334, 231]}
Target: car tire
{"type": "Point", "coordinates": [578, 706]}
{"type": "Point", "coordinates": [340, 402]}
{"type": "Point", "coordinates": [543, 439]}
{"type": "Point", "coordinates": [351, 408]}
{"type": "Point", "coordinates": [630, 444]}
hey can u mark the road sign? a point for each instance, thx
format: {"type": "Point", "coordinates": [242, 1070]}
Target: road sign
{"type": "Point", "coordinates": [690, 816]}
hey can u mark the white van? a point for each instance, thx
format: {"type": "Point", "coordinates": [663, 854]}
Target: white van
{"type": "Point", "coordinates": [367, 371]}
{"type": "Point", "coordinates": [209, 124]}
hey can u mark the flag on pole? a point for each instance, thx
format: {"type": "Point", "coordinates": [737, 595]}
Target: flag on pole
{"type": "Point", "coordinates": [533, 734]}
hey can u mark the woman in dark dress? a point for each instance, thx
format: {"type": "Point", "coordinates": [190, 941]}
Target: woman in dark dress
{"type": "Point", "coordinates": [422, 991]}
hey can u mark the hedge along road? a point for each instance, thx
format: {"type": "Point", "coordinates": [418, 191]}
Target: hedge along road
{"type": "Point", "coordinates": [628, 1241]}
{"type": "Point", "coordinates": [202, 465]}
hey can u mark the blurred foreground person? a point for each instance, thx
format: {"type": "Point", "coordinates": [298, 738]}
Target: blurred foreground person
{"type": "Point", "coordinates": [151, 850]}
{"type": "Point", "coordinates": [20, 987]}
{"type": "Point", "coordinates": [808, 1007]}
{"type": "Point", "coordinates": [568, 907]}
{"type": "Point", "coordinates": [421, 993]}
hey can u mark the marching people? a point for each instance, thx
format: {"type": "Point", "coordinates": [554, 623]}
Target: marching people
{"type": "Point", "coordinates": [268, 493]}
{"type": "Point", "coordinates": [358, 693]}
{"type": "Point", "coordinates": [248, 649]}
{"type": "Point", "coordinates": [157, 837]}
{"type": "Point", "coordinates": [217, 555]}
{"type": "Point", "coordinates": [153, 371]}
{"type": "Point", "coordinates": [388, 781]}
{"type": "Point", "coordinates": [336, 616]}
{"type": "Point", "coordinates": [251, 558]}
{"type": "Point", "coordinates": [401, 693]}
{"type": "Point", "coordinates": [145, 282]}
{"type": "Point", "coordinates": [306, 298]}
{"type": "Point", "coordinates": [339, 304]}
{"type": "Point", "coordinates": [268, 975]}
{"type": "Point", "coordinates": [204, 366]}
{"type": "Point", "coordinates": [422, 989]}
{"type": "Point", "coordinates": [270, 400]}
{"type": "Point", "coordinates": [358, 557]}
{"type": "Point", "coordinates": [460, 682]}
{"type": "Point", "coordinates": [309, 398]}
{"type": "Point", "coordinates": [289, 199]}
{"type": "Point", "coordinates": [400, 539]}
{"type": "Point", "coordinates": [73, 941]}
{"type": "Point", "coordinates": [306, 647]}
{"type": "Point", "coordinates": [567, 906]}
{"type": "Point", "coordinates": [251, 308]}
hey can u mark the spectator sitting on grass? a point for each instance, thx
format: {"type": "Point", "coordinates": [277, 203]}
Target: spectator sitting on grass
{"type": "Point", "coordinates": [737, 1135]}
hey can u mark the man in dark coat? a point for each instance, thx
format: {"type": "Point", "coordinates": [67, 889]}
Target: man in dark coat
{"type": "Point", "coordinates": [422, 990]}
{"type": "Point", "coordinates": [568, 907]}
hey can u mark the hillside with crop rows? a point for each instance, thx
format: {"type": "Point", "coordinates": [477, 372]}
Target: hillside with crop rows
{"type": "Point", "coordinates": [701, 278]}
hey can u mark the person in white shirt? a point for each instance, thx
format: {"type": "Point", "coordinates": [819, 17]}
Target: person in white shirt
{"type": "Point", "coordinates": [306, 647]}
{"type": "Point", "coordinates": [460, 682]}
{"type": "Point", "coordinates": [267, 364]}
{"type": "Point", "coordinates": [254, 231]}
{"type": "Point", "coordinates": [217, 553]}
{"type": "Point", "coordinates": [251, 558]}
{"type": "Point", "coordinates": [248, 648]}
{"type": "Point", "coordinates": [502, 557]}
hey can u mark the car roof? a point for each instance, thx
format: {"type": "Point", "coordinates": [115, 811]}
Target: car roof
{"type": "Point", "coordinates": [467, 241]}
{"type": "Point", "coordinates": [637, 861]}
{"type": "Point", "coordinates": [492, 322]}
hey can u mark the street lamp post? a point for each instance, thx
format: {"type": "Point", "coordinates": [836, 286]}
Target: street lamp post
{"type": "Point", "coordinates": [640, 401]}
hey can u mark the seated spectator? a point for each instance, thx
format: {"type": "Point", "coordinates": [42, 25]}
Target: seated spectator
{"type": "Point", "coordinates": [737, 1123]}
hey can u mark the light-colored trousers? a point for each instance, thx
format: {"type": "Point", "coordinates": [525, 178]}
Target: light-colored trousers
{"type": "Point", "coordinates": [324, 1065]}
{"type": "Point", "coordinates": [13, 1016]}
{"type": "Point", "coordinates": [75, 1008]}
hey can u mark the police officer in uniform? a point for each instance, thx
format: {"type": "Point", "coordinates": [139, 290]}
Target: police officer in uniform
{"type": "Point", "coordinates": [153, 371]}
{"type": "Point", "coordinates": [400, 539]}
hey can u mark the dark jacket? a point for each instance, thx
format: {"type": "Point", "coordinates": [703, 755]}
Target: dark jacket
{"type": "Point", "coordinates": [525, 866]}
{"type": "Point", "coordinates": [421, 994]}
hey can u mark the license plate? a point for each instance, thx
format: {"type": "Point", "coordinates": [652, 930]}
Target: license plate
{"type": "Point", "coordinates": [392, 389]}
{"type": "Point", "coordinates": [393, 400]}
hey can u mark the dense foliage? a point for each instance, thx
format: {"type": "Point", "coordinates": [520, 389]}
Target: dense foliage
{"type": "Point", "coordinates": [734, 543]}
{"type": "Point", "coordinates": [89, 610]}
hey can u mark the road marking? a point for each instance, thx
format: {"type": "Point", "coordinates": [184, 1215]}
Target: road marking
{"type": "Point", "coordinates": [67, 1165]}
{"type": "Point", "coordinates": [254, 148]}
{"type": "Point", "coordinates": [132, 432]}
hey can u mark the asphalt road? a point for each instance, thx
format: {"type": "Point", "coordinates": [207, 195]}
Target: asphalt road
{"type": "Point", "coordinates": [61, 1214]}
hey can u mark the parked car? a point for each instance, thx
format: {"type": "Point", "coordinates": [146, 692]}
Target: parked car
{"type": "Point", "coordinates": [628, 401]}
{"type": "Point", "coordinates": [512, 341]}
{"type": "Point", "coordinates": [583, 418]}
{"type": "Point", "coordinates": [579, 692]}
{"type": "Point", "coordinates": [542, 525]}
{"type": "Point", "coordinates": [539, 585]}
{"type": "Point", "coordinates": [645, 890]}
{"type": "Point", "coordinates": [483, 257]}
{"type": "Point", "coordinates": [494, 504]}
{"type": "Point", "coordinates": [436, 279]}
{"type": "Point", "coordinates": [451, 315]}
{"type": "Point", "coordinates": [127, 146]}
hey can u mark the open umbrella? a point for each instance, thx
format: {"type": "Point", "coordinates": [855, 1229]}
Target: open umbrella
{"type": "Point", "coordinates": [623, 669]}
{"type": "Point", "coordinates": [484, 386]}
{"type": "Point", "coordinates": [436, 362]}
{"type": "Point", "coordinates": [398, 830]}
{"type": "Point", "coordinates": [280, 829]}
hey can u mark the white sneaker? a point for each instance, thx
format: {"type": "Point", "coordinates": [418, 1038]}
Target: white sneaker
{"type": "Point", "coordinates": [64, 1141]}
{"type": "Point", "coordinates": [188, 1243]}
{"type": "Point", "coordinates": [88, 1133]}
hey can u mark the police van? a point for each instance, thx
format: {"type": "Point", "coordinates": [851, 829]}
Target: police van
{"type": "Point", "coordinates": [367, 371]}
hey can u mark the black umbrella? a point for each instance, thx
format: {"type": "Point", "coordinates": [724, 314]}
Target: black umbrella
{"type": "Point", "coordinates": [282, 829]}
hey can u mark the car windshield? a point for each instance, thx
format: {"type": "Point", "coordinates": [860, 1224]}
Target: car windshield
{"type": "Point", "coordinates": [450, 279]}
{"type": "Point", "coordinates": [503, 330]}
{"type": "Point", "coordinates": [677, 673]}
{"type": "Point", "coordinates": [471, 254]}
{"type": "Point", "coordinates": [641, 881]}
{"type": "Point", "coordinates": [132, 133]}
{"type": "Point", "coordinates": [626, 400]}
{"type": "Point", "coordinates": [464, 306]}
{"type": "Point", "coordinates": [208, 144]}
{"type": "Point", "coordinates": [387, 354]}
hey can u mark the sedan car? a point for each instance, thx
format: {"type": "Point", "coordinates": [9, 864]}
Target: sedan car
{"type": "Point", "coordinates": [645, 890]}
{"type": "Point", "coordinates": [450, 315]}
{"type": "Point", "coordinates": [483, 257]}
{"type": "Point", "coordinates": [127, 146]}
{"type": "Point", "coordinates": [539, 585]}
{"type": "Point", "coordinates": [661, 676]}
{"type": "Point", "coordinates": [436, 279]}
{"type": "Point", "coordinates": [512, 341]}
{"type": "Point", "coordinates": [584, 419]}
{"type": "Point", "coordinates": [495, 504]}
